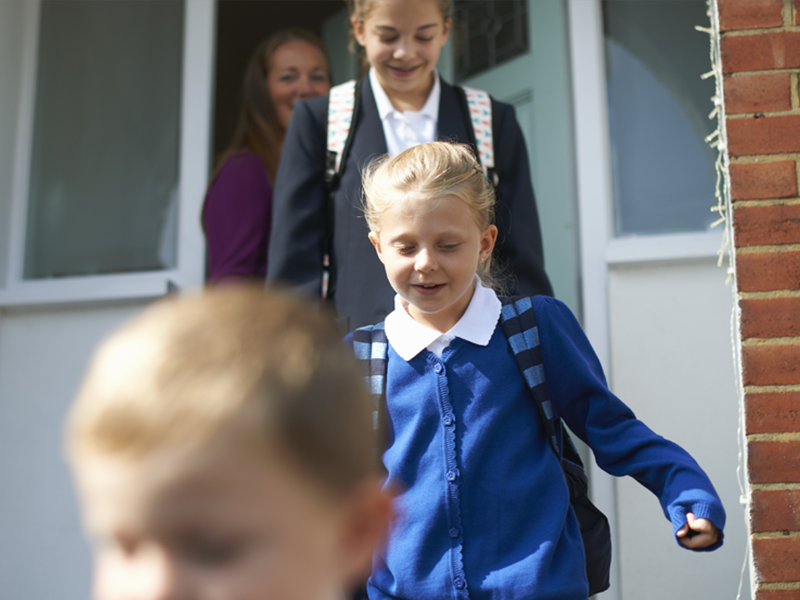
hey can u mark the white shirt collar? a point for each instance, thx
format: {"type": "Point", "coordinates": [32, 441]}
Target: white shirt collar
{"type": "Point", "coordinates": [477, 325]}
{"type": "Point", "coordinates": [385, 108]}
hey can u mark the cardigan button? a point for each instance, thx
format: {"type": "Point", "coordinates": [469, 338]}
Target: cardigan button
{"type": "Point", "coordinates": [451, 476]}
{"type": "Point", "coordinates": [437, 368]}
{"type": "Point", "coordinates": [454, 532]}
{"type": "Point", "coordinates": [448, 420]}
{"type": "Point", "coordinates": [459, 583]}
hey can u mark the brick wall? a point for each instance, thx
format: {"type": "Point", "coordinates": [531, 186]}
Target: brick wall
{"type": "Point", "coordinates": [760, 49]}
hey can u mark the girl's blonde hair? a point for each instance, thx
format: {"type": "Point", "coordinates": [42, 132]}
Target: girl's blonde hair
{"type": "Point", "coordinates": [360, 11]}
{"type": "Point", "coordinates": [426, 173]}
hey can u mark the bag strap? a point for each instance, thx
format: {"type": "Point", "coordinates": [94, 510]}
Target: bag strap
{"type": "Point", "coordinates": [342, 101]}
{"type": "Point", "coordinates": [371, 349]}
{"type": "Point", "coordinates": [518, 321]}
{"type": "Point", "coordinates": [479, 106]}
{"type": "Point", "coordinates": [343, 105]}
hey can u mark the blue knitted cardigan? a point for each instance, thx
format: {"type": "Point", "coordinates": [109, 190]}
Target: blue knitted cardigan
{"type": "Point", "coordinates": [482, 505]}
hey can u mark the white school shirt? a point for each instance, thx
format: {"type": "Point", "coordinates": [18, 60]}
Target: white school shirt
{"type": "Point", "coordinates": [476, 325]}
{"type": "Point", "coordinates": [406, 129]}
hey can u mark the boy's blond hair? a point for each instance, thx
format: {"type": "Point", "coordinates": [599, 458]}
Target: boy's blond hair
{"type": "Point", "coordinates": [265, 366]}
{"type": "Point", "coordinates": [428, 172]}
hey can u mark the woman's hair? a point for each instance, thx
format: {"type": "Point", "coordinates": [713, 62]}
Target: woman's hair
{"type": "Point", "coordinates": [360, 11]}
{"type": "Point", "coordinates": [426, 173]}
{"type": "Point", "coordinates": [259, 129]}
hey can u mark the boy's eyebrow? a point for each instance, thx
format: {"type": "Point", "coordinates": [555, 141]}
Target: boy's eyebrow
{"type": "Point", "coordinates": [394, 29]}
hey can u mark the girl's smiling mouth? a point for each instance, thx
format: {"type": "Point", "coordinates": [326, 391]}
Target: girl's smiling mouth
{"type": "Point", "coordinates": [427, 288]}
{"type": "Point", "coordinates": [404, 71]}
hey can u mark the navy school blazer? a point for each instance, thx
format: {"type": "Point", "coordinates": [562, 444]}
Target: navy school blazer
{"type": "Point", "coordinates": [363, 294]}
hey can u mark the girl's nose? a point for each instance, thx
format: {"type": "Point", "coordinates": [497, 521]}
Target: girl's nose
{"type": "Point", "coordinates": [401, 51]}
{"type": "Point", "coordinates": [425, 261]}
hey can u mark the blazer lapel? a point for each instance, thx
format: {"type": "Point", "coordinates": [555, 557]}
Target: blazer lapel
{"type": "Point", "coordinates": [452, 122]}
{"type": "Point", "coordinates": [370, 141]}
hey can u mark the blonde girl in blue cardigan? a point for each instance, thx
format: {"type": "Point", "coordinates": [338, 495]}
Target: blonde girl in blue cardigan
{"type": "Point", "coordinates": [483, 507]}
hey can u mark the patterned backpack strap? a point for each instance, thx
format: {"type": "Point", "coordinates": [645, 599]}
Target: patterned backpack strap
{"type": "Point", "coordinates": [518, 321]}
{"type": "Point", "coordinates": [343, 105]}
{"type": "Point", "coordinates": [479, 105]}
{"type": "Point", "coordinates": [371, 349]}
{"type": "Point", "coordinates": [341, 108]}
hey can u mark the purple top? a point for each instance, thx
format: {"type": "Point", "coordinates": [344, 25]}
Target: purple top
{"type": "Point", "coordinates": [237, 216]}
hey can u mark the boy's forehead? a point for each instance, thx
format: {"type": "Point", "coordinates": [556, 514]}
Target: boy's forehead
{"type": "Point", "coordinates": [175, 483]}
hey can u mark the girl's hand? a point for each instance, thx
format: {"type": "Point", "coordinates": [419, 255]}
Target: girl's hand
{"type": "Point", "coordinates": [698, 533]}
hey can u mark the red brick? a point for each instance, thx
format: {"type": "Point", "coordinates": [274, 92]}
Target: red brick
{"type": "Point", "coordinates": [761, 52]}
{"type": "Point", "coordinates": [788, 594]}
{"type": "Point", "coordinates": [766, 92]}
{"type": "Point", "coordinates": [778, 594]}
{"type": "Point", "coordinates": [777, 559]}
{"type": "Point", "coordinates": [774, 462]}
{"type": "Point", "coordinates": [758, 181]}
{"type": "Point", "coordinates": [771, 365]}
{"type": "Point", "coordinates": [749, 14]}
{"type": "Point", "coordinates": [766, 225]}
{"type": "Point", "coordinates": [775, 510]}
{"type": "Point", "coordinates": [767, 135]}
{"type": "Point", "coordinates": [770, 318]}
{"type": "Point", "coordinates": [772, 413]}
{"type": "Point", "coordinates": [768, 271]}
{"type": "Point", "coordinates": [797, 22]}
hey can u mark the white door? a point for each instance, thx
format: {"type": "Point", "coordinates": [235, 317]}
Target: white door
{"type": "Point", "coordinates": [656, 306]}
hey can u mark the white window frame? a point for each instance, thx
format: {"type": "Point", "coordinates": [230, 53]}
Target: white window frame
{"type": "Point", "coordinates": [195, 151]}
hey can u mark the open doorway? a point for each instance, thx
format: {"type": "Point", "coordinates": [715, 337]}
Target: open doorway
{"type": "Point", "coordinates": [241, 25]}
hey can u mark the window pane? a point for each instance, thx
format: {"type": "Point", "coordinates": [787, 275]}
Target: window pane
{"type": "Point", "coordinates": [104, 165]}
{"type": "Point", "coordinates": [663, 171]}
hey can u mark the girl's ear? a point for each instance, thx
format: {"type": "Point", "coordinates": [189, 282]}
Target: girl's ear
{"type": "Point", "coordinates": [358, 31]}
{"type": "Point", "coordinates": [446, 29]}
{"type": "Point", "coordinates": [376, 241]}
{"type": "Point", "coordinates": [488, 239]}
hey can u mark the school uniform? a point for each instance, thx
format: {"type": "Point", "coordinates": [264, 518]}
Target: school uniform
{"type": "Point", "coordinates": [363, 294]}
{"type": "Point", "coordinates": [483, 508]}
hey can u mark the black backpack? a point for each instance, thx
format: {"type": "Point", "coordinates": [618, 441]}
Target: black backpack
{"type": "Point", "coordinates": [519, 325]}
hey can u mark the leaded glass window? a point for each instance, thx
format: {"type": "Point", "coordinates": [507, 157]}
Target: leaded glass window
{"type": "Point", "coordinates": [488, 33]}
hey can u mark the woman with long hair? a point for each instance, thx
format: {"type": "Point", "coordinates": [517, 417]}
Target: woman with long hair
{"type": "Point", "coordinates": [289, 65]}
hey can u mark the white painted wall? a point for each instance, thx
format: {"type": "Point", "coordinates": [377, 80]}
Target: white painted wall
{"type": "Point", "coordinates": [43, 354]}
{"type": "Point", "coordinates": [672, 363]}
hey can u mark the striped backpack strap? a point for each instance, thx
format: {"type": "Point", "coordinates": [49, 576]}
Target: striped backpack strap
{"type": "Point", "coordinates": [343, 104]}
{"type": "Point", "coordinates": [341, 108]}
{"type": "Point", "coordinates": [371, 349]}
{"type": "Point", "coordinates": [518, 321]}
{"type": "Point", "coordinates": [479, 105]}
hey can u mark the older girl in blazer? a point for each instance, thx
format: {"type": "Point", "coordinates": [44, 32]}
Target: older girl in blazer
{"type": "Point", "coordinates": [403, 102]}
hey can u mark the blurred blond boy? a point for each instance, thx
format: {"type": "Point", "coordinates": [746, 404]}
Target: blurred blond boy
{"type": "Point", "coordinates": [222, 450]}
